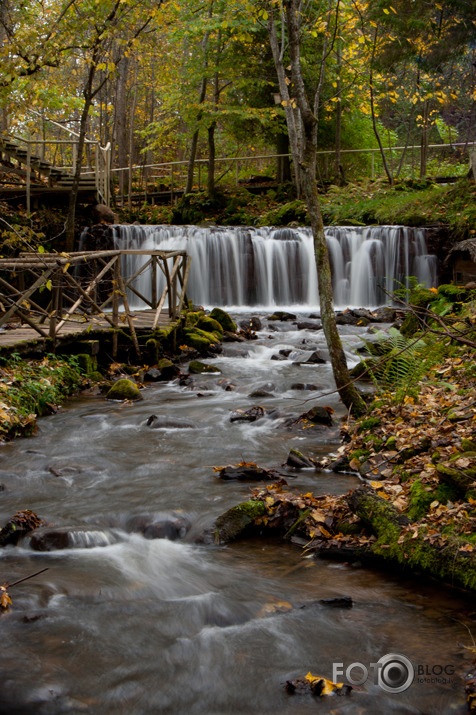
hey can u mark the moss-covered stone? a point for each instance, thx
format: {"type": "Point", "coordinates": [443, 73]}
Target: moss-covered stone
{"type": "Point", "coordinates": [468, 445]}
{"type": "Point", "coordinates": [87, 363]}
{"type": "Point", "coordinates": [196, 341]}
{"type": "Point", "coordinates": [197, 367]}
{"type": "Point", "coordinates": [391, 443]}
{"type": "Point", "coordinates": [124, 389]}
{"type": "Point", "coordinates": [192, 317]}
{"type": "Point", "coordinates": [209, 325]}
{"type": "Point", "coordinates": [225, 320]}
{"type": "Point", "coordinates": [238, 521]}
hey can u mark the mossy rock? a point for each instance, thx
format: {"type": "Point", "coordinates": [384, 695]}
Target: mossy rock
{"type": "Point", "coordinates": [96, 376]}
{"type": "Point", "coordinates": [294, 211]}
{"type": "Point", "coordinates": [210, 325]}
{"type": "Point", "coordinates": [196, 341]}
{"type": "Point", "coordinates": [225, 320]}
{"type": "Point", "coordinates": [453, 293]}
{"type": "Point", "coordinates": [467, 445]}
{"type": "Point", "coordinates": [193, 317]}
{"type": "Point", "coordinates": [196, 367]}
{"type": "Point", "coordinates": [391, 443]}
{"type": "Point", "coordinates": [124, 389]}
{"type": "Point", "coordinates": [87, 363]}
{"type": "Point", "coordinates": [238, 521]}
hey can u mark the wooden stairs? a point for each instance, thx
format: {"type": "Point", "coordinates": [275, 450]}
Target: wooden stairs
{"type": "Point", "coordinates": [22, 171]}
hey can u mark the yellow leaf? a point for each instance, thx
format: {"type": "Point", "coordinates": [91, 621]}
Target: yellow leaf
{"type": "Point", "coordinates": [49, 285]}
{"type": "Point", "coordinates": [325, 533]}
{"type": "Point", "coordinates": [328, 687]}
{"type": "Point", "coordinates": [65, 267]}
{"type": "Point", "coordinates": [5, 599]}
{"type": "Point", "coordinates": [387, 12]}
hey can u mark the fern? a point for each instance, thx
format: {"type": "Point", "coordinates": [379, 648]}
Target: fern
{"type": "Point", "coordinates": [404, 362]}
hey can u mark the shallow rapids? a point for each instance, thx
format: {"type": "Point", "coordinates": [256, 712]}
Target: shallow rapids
{"type": "Point", "coordinates": [125, 624]}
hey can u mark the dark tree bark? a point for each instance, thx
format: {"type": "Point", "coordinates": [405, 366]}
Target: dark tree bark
{"type": "Point", "coordinates": [347, 391]}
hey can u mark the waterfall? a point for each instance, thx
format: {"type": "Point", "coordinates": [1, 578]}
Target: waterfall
{"type": "Point", "coordinates": [240, 268]}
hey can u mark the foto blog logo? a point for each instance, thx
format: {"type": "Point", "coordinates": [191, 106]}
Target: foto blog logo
{"type": "Point", "coordinates": [393, 673]}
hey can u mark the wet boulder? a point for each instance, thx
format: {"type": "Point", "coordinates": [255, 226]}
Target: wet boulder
{"type": "Point", "coordinates": [384, 315]}
{"type": "Point", "coordinates": [20, 524]}
{"type": "Point", "coordinates": [196, 367]}
{"type": "Point", "coordinates": [164, 422]}
{"type": "Point", "coordinates": [310, 386]}
{"type": "Point", "coordinates": [260, 393]}
{"type": "Point", "coordinates": [252, 323]}
{"type": "Point", "coordinates": [347, 318]}
{"type": "Point", "coordinates": [70, 537]}
{"type": "Point", "coordinates": [151, 526]}
{"type": "Point", "coordinates": [248, 472]}
{"type": "Point", "coordinates": [124, 389]}
{"type": "Point", "coordinates": [297, 460]}
{"type": "Point", "coordinates": [319, 416]}
{"type": "Point", "coordinates": [168, 371]}
{"type": "Point", "coordinates": [251, 415]}
{"type": "Point", "coordinates": [309, 325]}
{"type": "Point", "coordinates": [282, 315]}
{"type": "Point", "coordinates": [239, 521]}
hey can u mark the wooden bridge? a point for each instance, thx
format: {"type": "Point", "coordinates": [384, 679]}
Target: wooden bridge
{"type": "Point", "coordinates": [49, 296]}
{"type": "Point", "coordinates": [29, 169]}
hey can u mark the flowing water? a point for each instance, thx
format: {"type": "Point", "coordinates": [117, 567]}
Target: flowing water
{"type": "Point", "coordinates": [269, 267]}
{"type": "Point", "coordinates": [124, 624]}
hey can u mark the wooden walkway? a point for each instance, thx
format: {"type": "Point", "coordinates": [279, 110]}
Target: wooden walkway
{"type": "Point", "coordinates": [48, 297]}
{"type": "Point", "coordinates": [18, 336]}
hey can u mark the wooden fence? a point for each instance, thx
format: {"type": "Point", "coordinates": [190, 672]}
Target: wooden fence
{"type": "Point", "coordinates": [50, 291]}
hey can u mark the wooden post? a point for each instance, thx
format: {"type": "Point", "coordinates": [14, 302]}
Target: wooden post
{"type": "Point", "coordinates": [115, 305]}
{"type": "Point", "coordinates": [153, 287]}
{"type": "Point", "coordinates": [28, 178]}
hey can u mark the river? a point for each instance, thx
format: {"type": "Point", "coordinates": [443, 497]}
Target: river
{"type": "Point", "coordinates": [125, 624]}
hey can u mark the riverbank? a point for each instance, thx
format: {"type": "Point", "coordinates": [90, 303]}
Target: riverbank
{"type": "Point", "coordinates": [414, 453]}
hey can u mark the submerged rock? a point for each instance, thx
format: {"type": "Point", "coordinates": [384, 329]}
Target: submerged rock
{"type": "Point", "coordinates": [68, 537]}
{"type": "Point", "coordinates": [319, 416]}
{"type": "Point", "coordinates": [124, 389]}
{"type": "Point", "coordinates": [164, 422]}
{"type": "Point", "coordinates": [282, 315]}
{"type": "Point", "coordinates": [197, 367]}
{"type": "Point", "coordinates": [304, 386]}
{"type": "Point", "coordinates": [251, 415]}
{"type": "Point", "coordinates": [297, 460]}
{"type": "Point", "coordinates": [153, 527]}
{"type": "Point", "coordinates": [248, 471]}
{"type": "Point", "coordinates": [309, 325]}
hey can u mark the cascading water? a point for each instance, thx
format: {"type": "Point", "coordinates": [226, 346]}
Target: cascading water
{"type": "Point", "coordinates": [268, 267]}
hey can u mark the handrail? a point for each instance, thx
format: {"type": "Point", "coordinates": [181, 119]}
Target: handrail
{"type": "Point", "coordinates": [87, 293]}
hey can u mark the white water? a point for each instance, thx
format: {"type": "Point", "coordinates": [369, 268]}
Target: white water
{"type": "Point", "coordinates": [268, 267]}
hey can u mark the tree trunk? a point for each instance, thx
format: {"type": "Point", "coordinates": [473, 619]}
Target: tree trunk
{"type": "Point", "coordinates": [193, 145]}
{"type": "Point", "coordinates": [121, 119]}
{"type": "Point", "coordinates": [283, 171]}
{"type": "Point", "coordinates": [424, 142]}
{"type": "Point", "coordinates": [211, 161]}
{"type": "Point", "coordinates": [293, 119]}
{"type": "Point", "coordinates": [374, 119]}
{"type": "Point", "coordinates": [347, 391]}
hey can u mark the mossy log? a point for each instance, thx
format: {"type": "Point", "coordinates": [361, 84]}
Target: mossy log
{"type": "Point", "coordinates": [462, 479]}
{"type": "Point", "coordinates": [445, 558]}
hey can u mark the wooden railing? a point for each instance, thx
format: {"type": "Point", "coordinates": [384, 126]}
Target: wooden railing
{"type": "Point", "coordinates": [49, 291]}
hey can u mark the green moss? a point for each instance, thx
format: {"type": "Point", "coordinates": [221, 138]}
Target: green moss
{"type": "Point", "coordinates": [87, 363]}
{"type": "Point", "coordinates": [238, 521]}
{"type": "Point", "coordinates": [420, 499]}
{"type": "Point", "coordinates": [124, 389]}
{"type": "Point", "coordinates": [224, 319]}
{"type": "Point", "coordinates": [368, 423]}
{"type": "Point", "coordinates": [197, 367]}
{"type": "Point", "coordinates": [209, 325]}
{"type": "Point", "coordinates": [391, 443]}
{"type": "Point", "coordinates": [294, 211]}
{"type": "Point", "coordinates": [361, 454]}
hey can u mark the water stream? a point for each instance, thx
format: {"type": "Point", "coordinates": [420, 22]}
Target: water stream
{"type": "Point", "coordinates": [269, 267]}
{"type": "Point", "coordinates": [124, 624]}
